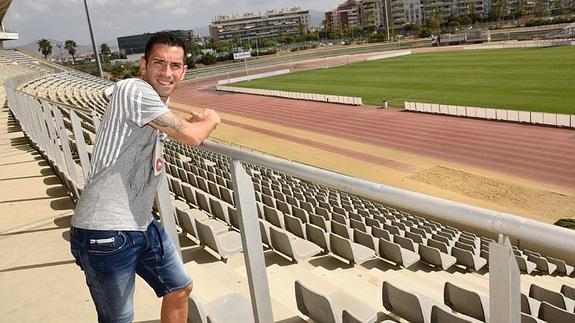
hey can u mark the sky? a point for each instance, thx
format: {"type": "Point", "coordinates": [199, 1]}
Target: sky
{"type": "Point", "coordinates": [66, 19]}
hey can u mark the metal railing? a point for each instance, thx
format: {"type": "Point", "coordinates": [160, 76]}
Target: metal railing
{"type": "Point", "coordinates": [42, 122]}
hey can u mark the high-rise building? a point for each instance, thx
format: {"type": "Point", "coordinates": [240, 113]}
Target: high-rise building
{"type": "Point", "coordinates": [346, 15]}
{"type": "Point", "coordinates": [270, 24]}
{"type": "Point", "coordinates": [136, 44]}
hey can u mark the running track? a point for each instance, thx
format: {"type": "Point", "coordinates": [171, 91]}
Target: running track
{"type": "Point", "coordinates": [544, 154]}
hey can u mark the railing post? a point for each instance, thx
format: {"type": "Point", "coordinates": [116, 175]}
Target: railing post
{"type": "Point", "coordinates": [252, 243]}
{"type": "Point", "coordinates": [166, 210]}
{"type": "Point", "coordinates": [65, 143]}
{"type": "Point", "coordinates": [504, 283]}
{"type": "Point", "coordinates": [80, 144]}
{"type": "Point", "coordinates": [95, 121]}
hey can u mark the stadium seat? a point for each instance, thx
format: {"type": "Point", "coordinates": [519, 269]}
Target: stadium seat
{"type": "Point", "coordinates": [529, 305]}
{"type": "Point", "coordinates": [435, 257]}
{"type": "Point", "coordinates": [351, 251]}
{"type": "Point", "coordinates": [294, 226]}
{"type": "Point", "coordinates": [413, 307]}
{"type": "Point", "coordinates": [395, 253]}
{"type": "Point", "coordinates": [556, 299]}
{"type": "Point", "coordinates": [542, 264]}
{"type": "Point", "coordinates": [293, 247]}
{"type": "Point", "coordinates": [367, 240]}
{"type": "Point", "coordinates": [553, 314]}
{"type": "Point", "coordinates": [526, 318]}
{"type": "Point", "coordinates": [468, 259]}
{"type": "Point", "coordinates": [225, 244]}
{"type": "Point", "coordinates": [562, 267]}
{"type": "Point", "coordinates": [568, 291]}
{"type": "Point", "coordinates": [524, 265]}
{"type": "Point", "coordinates": [324, 307]}
{"type": "Point", "coordinates": [230, 308]}
{"type": "Point", "coordinates": [466, 302]}
{"type": "Point", "coordinates": [442, 315]}
{"type": "Point", "coordinates": [317, 235]}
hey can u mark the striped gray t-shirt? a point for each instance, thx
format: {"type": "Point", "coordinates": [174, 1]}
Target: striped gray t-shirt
{"type": "Point", "coordinates": [121, 187]}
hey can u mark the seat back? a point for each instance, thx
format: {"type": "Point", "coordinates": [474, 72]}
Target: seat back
{"type": "Point", "coordinates": [294, 225]}
{"type": "Point", "coordinates": [402, 303]}
{"type": "Point", "coordinates": [550, 313]}
{"type": "Point", "coordinates": [341, 246]}
{"type": "Point", "coordinates": [196, 312]}
{"type": "Point", "coordinates": [544, 295]}
{"type": "Point", "coordinates": [568, 291]}
{"type": "Point", "coordinates": [380, 233]}
{"type": "Point", "coordinates": [390, 251]}
{"type": "Point", "coordinates": [405, 243]}
{"type": "Point", "coordinates": [463, 301]}
{"type": "Point", "coordinates": [317, 235]}
{"type": "Point", "coordinates": [315, 305]}
{"type": "Point", "coordinates": [437, 244]}
{"type": "Point", "coordinates": [430, 255]}
{"type": "Point", "coordinates": [438, 315]}
{"type": "Point", "coordinates": [340, 229]}
{"type": "Point", "coordinates": [280, 241]}
{"type": "Point", "coordinates": [364, 239]}
{"type": "Point", "coordinates": [207, 236]}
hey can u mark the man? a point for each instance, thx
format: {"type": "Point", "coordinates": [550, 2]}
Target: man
{"type": "Point", "coordinates": [113, 235]}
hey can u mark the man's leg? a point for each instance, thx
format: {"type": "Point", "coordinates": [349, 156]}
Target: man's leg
{"type": "Point", "coordinates": [175, 306]}
{"type": "Point", "coordinates": [108, 259]}
{"type": "Point", "coordinates": [162, 268]}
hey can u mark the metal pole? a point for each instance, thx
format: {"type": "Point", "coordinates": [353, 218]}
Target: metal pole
{"type": "Point", "coordinates": [386, 19]}
{"type": "Point", "coordinates": [93, 41]}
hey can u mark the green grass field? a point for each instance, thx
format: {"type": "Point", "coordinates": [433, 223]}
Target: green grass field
{"type": "Point", "coordinates": [533, 79]}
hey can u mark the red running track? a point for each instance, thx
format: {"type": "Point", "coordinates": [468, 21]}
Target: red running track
{"type": "Point", "coordinates": [539, 153]}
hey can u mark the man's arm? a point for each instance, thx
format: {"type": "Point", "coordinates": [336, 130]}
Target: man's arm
{"type": "Point", "coordinates": [191, 133]}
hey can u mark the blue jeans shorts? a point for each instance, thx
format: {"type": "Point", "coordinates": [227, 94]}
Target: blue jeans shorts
{"type": "Point", "coordinates": [111, 259]}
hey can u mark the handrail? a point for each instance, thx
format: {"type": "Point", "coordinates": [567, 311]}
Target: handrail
{"type": "Point", "coordinates": [537, 233]}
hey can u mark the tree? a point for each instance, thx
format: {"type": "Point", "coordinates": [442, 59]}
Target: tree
{"type": "Point", "coordinates": [70, 46]}
{"type": "Point", "coordinates": [45, 47]}
{"type": "Point", "coordinates": [105, 51]}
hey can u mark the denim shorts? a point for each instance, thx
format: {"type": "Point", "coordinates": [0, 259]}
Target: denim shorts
{"type": "Point", "coordinates": [111, 259]}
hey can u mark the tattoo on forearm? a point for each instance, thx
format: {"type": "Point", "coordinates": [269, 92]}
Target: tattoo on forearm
{"type": "Point", "coordinates": [167, 122]}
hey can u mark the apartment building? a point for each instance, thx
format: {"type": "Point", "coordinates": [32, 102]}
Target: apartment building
{"type": "Point", "coordinates": [269, 24]}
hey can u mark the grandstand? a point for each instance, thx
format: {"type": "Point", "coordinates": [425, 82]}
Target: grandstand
{"type": "Point", "coordinates": [335, 248]}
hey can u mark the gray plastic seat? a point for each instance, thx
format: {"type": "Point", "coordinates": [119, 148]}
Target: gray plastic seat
{"type": "Point", "coordinates": [328, 308]}
{"type": "Point", "coordinates": [466, 302]}
{"type": "Point", "coordinates": [562, 267]}
{"type": "Point", "coordinates": [317, 235]}
{"type": "Point", "coordinates": [441, 315]}
{"type": "Point", "coordinates": [296, 248]}
{"type": "Point", "coordinates": [554, 314]}
{"type": "Point", "coordinates": [568, 291]}
{"type": "Point", "coordinates": [524, 265]}
{"type": "Point", "coordinates": [556, 299]}
{"type": "Point", "coordinates": [395, 253]}
{"type": "Point", "coordinates": [542, 264]}
{"type": "Point", "coordinates": [351, 251]}
{"type": "Point", "coordinates": [413, 307]}
{"type": "Point", "coordinates": [225, 244]}
{"type": "Point", "coordinates": [230, 308]}
{"type": "Point", "coordinates": [529, 305]}
{"type": "Point", "coordinates": [435, 257]}
{"type": "Point", "coordinates": [468, 259]}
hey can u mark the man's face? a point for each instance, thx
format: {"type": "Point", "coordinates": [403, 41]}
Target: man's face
{"type": "Point", "coordinates": [164, 69]}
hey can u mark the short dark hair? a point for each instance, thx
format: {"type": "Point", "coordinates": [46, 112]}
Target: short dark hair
{"type": "Point", "coordinates": [165, 38]}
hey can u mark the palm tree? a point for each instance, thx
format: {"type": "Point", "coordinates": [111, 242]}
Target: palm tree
{"type": "Point", "coordinates": [70, 46]}
{"type": "Point", "coordinates": [45, 47]}
{"type": "Point", "coordinates": [105, 51]}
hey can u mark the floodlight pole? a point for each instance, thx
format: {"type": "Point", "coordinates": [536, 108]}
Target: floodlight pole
{"type": "Point", "coordinates": [93, 41]}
